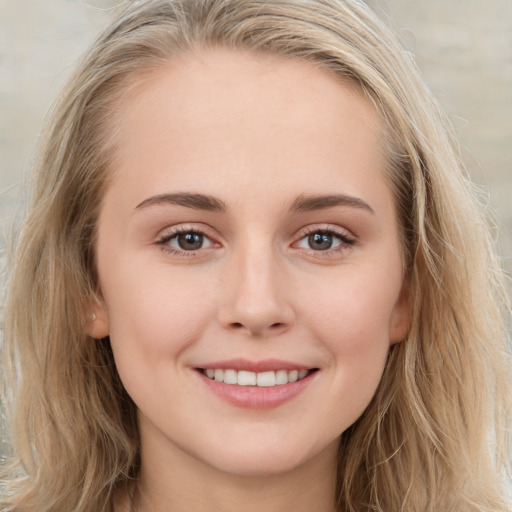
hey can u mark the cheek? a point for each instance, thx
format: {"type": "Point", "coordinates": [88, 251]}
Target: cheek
{"type": "Point", "coordinates": [153, 322]}
{"type": "Point", "coordinates": [156, 314]}
{"type": "Point", "coordinates": [351, 318]}
{"type": "Point", "coordinates": [354, 311]}
{"type": "Point", "coordinates": [352, 324]}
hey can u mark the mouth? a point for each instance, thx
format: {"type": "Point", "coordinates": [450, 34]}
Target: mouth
{"type": "Point", "coordinates": [264, 379]}
{"type": "Point", "coordinates": [257, 385]}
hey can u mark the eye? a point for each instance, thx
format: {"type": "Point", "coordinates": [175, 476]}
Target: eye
{"type": "Point", "coordinates": [323, 240]}
{"type": "Point", "coordinates": [185, 240]}
{"type": "Point", "coordinates": [188, 241]}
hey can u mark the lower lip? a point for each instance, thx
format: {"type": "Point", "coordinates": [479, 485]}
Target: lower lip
{"type": "Point", "coordinates": [257, 397]}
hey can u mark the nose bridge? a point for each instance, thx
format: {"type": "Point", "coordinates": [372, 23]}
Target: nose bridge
{"type": "Point", "coordinates": [256, 299]}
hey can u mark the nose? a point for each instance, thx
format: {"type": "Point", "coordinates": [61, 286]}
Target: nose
{"type": "Point", "coordinates": [256, 297]}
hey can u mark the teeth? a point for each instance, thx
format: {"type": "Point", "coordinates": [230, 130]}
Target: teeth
{"type": "Point", "coordinates": [261, 379]}
{"type": "Point", "coordinates": [281, 377]}
{"type": "Point", "coordinates": [230, 377]}
{"type": "Point", "coordinates": [266, 379]}
{"type": "Point", "coordinates": [246, 378]}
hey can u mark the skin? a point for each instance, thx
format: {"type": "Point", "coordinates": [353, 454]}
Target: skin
{"type": "Point", "coordinates": [259, 134]}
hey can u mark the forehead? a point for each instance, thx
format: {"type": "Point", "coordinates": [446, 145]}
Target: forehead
{"type": "Point", "coordinates": [244, 117]}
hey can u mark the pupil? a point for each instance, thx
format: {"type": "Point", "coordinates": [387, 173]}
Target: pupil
{"type": "Point", "coordinates": [320, 241]}
{"type": "Point", "coordinates": [190, 241]}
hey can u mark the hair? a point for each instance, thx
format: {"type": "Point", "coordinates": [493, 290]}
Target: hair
{"type": "Point", "coordinates": [435, 434]}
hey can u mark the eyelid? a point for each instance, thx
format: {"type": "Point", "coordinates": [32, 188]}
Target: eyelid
{"type": "Point", "coordinates": [169, 233]}
{"type": "Point", "coordinates": [185, 227]}
{"type": "Point", "coordinates": [347, 238]}
{"type": "Point", "coordinates": [328, 228]}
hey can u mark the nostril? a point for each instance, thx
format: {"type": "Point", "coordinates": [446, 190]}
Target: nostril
{"type": "Point", "coordinates": [239, 325]}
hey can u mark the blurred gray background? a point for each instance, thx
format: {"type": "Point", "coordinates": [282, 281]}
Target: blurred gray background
{"type": "Point", "coordinates": [464, 48]}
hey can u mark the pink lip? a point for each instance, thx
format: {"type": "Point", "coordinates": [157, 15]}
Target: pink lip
{"type": "Point", "coordinates": [255, 397]}
{"type": "Point", "coordinates": [266, 365]}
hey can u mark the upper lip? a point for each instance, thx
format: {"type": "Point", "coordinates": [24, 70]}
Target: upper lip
{"type": "Point", "coordinates": [241, 364]}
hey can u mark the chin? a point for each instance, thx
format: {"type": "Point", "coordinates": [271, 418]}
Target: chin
{"type": "Point", "coordinates": [264, 460]}
{"type": "Point", "coordinates": [270, 466]}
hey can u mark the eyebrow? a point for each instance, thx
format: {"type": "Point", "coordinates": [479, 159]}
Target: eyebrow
{"type": "Point", "coordinates": [187, 199]}
{"type": "Point", "coordinates": [302, 203]}
{"type": "Point", "coordinates": [319, 202]}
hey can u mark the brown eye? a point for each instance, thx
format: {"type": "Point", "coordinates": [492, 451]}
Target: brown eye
{"type": "Point", "coordinates": [320, 241]}
{"type": "Point", "coordinates": [185, 241]}
{"type": "Point", "coordinates": [325, 241]}
{"type": "Point", "coordinates": [190, 241]}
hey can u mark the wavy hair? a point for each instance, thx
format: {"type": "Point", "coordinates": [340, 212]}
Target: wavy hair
{"type": "Point", "coordinates": [433, 438]}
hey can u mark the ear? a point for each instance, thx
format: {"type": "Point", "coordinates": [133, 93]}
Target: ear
{"type": "Point", "coordinates": [401, 316]}
{"type": "Point", "coordinates": [97, 323]}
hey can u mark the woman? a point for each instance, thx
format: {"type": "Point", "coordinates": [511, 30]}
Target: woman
{"type": "Point", "coordinates": [254, 275]}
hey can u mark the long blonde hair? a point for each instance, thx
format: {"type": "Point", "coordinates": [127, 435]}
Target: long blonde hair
{"type": "Point", "coordinates": [434, 437]}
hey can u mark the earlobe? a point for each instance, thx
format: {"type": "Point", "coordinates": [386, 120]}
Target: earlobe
{"type": "Point", "coordinates": [97, 322]}
{"type": "Point", "coordinates": [400, 322]}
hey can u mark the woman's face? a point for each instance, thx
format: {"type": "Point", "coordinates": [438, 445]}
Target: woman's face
{"type": "Point", "coordinates": [249, 261]}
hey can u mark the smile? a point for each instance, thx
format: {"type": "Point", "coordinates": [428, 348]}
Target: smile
{"type": "Point", "coordinates": [261, 379]}
{"type": "Point", "coordinates": [258, 385]}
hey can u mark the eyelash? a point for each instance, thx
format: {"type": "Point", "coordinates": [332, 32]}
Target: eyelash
{"type": "Point", "coordinates": [179, 230]}
{"type": "Point", "coordinates": [345, 241]}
